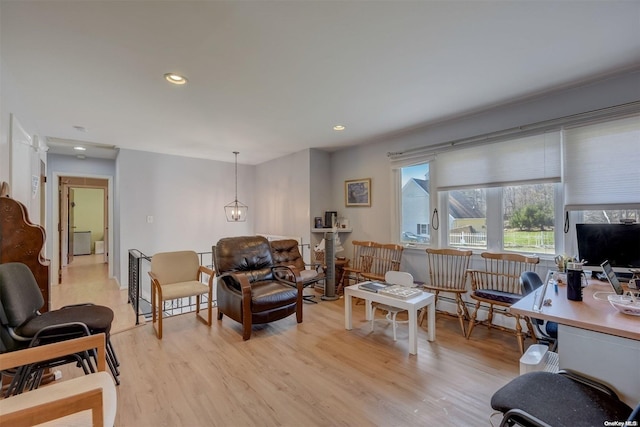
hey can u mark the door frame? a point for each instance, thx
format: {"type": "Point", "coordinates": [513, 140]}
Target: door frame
{"type": "Point", "coordinates": [55, 258]}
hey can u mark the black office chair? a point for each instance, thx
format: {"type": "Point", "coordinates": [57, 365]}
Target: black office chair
{"type": "Point", "coordinates": [22, 325]}
{"type": "Point", "coordinates": [564, 399]}
{"type": "Point", "coordinates": [530, 281]}
{"type": "Point", "coordinates": [28, 377]}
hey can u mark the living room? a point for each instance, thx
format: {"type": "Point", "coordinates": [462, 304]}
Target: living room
{"type": "Point", "coordinates": [184, 194]}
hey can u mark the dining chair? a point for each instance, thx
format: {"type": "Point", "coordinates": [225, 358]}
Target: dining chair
{"type": "Point", "coordinates": [361, 251]}
{"type": "Point", "coordinates": [448, 273]}
{"type": "Point", "coordinates": [384, 257]}
{"type": "Point", "coordinates": [392, 278]}
{"type": "Point", "coordinates": [498, 287]}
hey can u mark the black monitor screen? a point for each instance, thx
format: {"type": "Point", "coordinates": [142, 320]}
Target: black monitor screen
{"type": "Point", "coordinates": [618, 243]}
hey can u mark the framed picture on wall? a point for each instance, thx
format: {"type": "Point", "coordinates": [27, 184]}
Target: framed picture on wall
{"type": "Point", "coordinates": [357, 192]}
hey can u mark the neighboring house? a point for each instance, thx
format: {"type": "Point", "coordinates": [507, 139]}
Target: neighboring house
{"type": "Point", "coordinates": [467, 220]}
{"type": "Point", "coordinates": [415, 200]}
{"type": "Point", "coordinates": [464, 214]}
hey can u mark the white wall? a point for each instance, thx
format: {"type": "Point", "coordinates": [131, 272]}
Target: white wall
{"type": "Point", "coordinates": [321, 192]}
{"type": "Point", "coordinates": [89, 212]}
{"type": "Point", "coordinates": [185, 197]}
{"type": "Point", "coordinates": [20, 157]}
{"type": "Point", "coordinates": [282, 194]}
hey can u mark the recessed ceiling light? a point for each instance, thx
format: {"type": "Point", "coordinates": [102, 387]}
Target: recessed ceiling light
{"type": "Point", "coordinates": [79, 148]}
{"type": "Point", "coordinates": [338, 127]}
{"type": "Point", "coordinates": [80, 128]}
{"type": "Point", "coordinates": [176, 79]}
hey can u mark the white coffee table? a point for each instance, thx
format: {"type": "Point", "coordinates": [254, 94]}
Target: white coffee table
{"type": "Point", "coordinates": [412, 305]}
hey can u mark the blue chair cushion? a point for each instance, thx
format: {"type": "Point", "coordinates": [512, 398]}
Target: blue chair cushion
{"type": "Point", "coordinates": [498, 296]}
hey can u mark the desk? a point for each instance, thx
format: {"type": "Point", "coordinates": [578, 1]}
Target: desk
{"type": "Point", "coordinates": [593, 337]}
{"type": "Point", "coordinates": [412, 306]}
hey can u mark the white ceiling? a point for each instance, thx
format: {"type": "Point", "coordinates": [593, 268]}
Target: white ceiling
{"type": "Point", "coordinates": [268, 78]}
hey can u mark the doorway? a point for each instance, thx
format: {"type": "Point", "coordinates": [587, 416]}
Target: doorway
{"type": "Point", "coordinates": [83, 221]}
{"type": "Point", "coordinates": [87, 278]}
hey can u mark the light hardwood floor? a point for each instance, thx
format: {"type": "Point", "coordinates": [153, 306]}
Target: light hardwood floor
{"type": "Point", "coordinates": [310, 374]}
{"type": "Point", "coordinates": [86, 280]}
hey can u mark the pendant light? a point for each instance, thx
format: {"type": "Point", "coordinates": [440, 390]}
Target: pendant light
{"type": "Point", "coordinates": [236, 211]}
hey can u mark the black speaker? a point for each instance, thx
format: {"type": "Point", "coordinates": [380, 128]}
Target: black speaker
{"type": "Point", "coordinates": [328, 218]}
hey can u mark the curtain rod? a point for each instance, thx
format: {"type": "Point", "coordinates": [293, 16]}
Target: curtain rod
{"type": "Point", "coordinates": [526, 130]}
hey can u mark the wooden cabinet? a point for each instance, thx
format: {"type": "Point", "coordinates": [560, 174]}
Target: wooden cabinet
{"type": "Point", "coordinates": [22, 241]}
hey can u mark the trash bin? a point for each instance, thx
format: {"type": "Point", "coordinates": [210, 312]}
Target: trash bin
{"type": "Point", "coordinates": [534, 359]}
{"type": "Point", "coordinates": [99, 247]}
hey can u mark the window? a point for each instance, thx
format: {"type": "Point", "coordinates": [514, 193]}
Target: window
{"type": "Point", "coordinates": [610, 216]}
{"type": "Point", "coordinates": [415, 204]}
{"type": "Point", "coordinates": [518, 190]}
{"type": "Point", "coordinates": [529, 215]}
{"type": "Point", "coordinates": [468, 218]}
{"type": "Point", "coordinates": [525, 218]}
{"type": "Point", "coordinates": [601, 165]}
{"type": "Point", "coordinates": [501, 196]}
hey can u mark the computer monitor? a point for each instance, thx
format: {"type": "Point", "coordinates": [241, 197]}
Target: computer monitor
{"type": "Point", "coordinates": [617, 243]}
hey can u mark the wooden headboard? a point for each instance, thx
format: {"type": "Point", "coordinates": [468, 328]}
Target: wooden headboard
{"type": "Point", "coordinates": [22, 241]}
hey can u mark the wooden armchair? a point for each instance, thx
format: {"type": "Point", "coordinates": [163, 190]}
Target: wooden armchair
{"type": "Point", "coordinates": [361, 250]}
{"type": "Point", "coordinates": [448, 273]}
{"type": "Point", "coordinates": [65, 402]}
{"type": "Point", "coordinates": [176, 275]}
{"type": "Point", "coordinates": [385, 257]}
{"type": "Point", "coordinates": [498, 285]}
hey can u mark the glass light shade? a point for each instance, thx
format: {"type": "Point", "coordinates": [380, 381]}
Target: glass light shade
{"type": "Point", "coordinates": [236, 211]}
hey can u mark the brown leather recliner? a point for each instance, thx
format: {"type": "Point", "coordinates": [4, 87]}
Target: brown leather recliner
{"type": "Point", "coordinates": [286, 254]}
{"type": "Point", "coordinates": [247, 289]}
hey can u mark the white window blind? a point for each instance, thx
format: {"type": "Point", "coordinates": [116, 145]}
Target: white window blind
{"type": "Point", "coordinates": [528, 159]}
{"type": "Point", "coordinates": [601, 165]}
{"type": "Point", "coordinates": [411, 158]}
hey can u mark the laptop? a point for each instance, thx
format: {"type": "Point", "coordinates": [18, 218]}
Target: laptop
{"type": "Point", "coordinates": [541, 292]}
{"type": "Point", "coordinates": [611, 278]}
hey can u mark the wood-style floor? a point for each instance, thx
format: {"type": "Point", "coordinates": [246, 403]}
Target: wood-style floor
{"type": "Point", "coordinates": [310, 374]}
{"type": "Point", "coordinates": [86, 280]}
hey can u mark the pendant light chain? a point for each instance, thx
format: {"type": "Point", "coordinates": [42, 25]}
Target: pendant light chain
{"type": "Point", "coordinates": [236, 153]}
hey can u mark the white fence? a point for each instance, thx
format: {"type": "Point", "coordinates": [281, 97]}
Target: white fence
{"type": "Point", "coordinates": [542, 241]}
{"type": "Point", "coordinates": [468, 239]}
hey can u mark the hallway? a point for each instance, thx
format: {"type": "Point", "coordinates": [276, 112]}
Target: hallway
{"type": "Point", "coordinates": [86, 280]}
